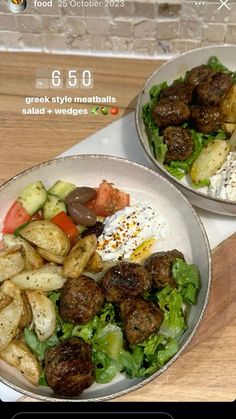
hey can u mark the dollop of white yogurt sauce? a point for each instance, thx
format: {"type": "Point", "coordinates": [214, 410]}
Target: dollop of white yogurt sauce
{"type": "Point", "coordinates": [223, 183]}
{"type": "Point", "coordinates": [128, 228]}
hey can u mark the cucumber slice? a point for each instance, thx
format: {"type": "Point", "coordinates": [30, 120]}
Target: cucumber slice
{"type": "Point", "coordinates": [33, 197]}
{"type": "Point", "coordinates": [61, 189]}
{"type": "Point", "coordinates": [53, 206]}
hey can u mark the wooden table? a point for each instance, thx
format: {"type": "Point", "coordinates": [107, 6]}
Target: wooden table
{"type": "Point", "coordinates": [207, 370]}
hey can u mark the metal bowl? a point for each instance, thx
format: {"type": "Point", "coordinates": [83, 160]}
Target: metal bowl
{"type": "Point", "coordinates": [186, 234]}
{"type": "Point", "coordinates": [169, 72]}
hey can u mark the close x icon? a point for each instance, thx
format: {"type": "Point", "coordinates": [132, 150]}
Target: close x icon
{"type": "Point", "coordinates": [224, 3]}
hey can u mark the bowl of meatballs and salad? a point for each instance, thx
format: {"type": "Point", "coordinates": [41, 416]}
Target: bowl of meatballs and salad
{"type": "Point", "coordinates": [186, 122]}
{"type": "Point", "coordinates": [105, 273]}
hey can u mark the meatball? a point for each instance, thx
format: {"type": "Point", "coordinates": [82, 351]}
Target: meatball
{"type": "Point", "coordinates": [213, 90]}
{"type": "Point", "coordinates": [125, 280]}
{"type": "Point", "coordinates": [168, 112]}
{"type": "Point", "coordinates": [159, 266]}
{"type": "Point", "coordinates": [197, 75]}
{"type": "Point", "coordinates": [177, 91]}
{"type": "Point", "coordinates": [80, 300]}
{"type": "Point", "coordinates": [179, 143]}
{"type": "Point", "coordinates": [206, 119]}
{"type": "Point", "coordinates": [141, 318]}
{"type": "Point", "coordinates": [69, 367]}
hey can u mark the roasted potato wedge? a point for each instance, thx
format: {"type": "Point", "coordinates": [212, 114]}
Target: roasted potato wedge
{"type": "Point", "coordinates": [48, 236]}
{"type": "Point", "coordinates": [47, 278]}
{"type": "Point", "coordinates": [77, 260]}
{"type": "Point", "coordinates": [44, 314]}
{"type": "Point", "coordinates": [229, 106]}
{"type": "Point", "coordinates": [11, 262]}
{"type": "Point", "coordinates": [229, 127]}
{"type": "Point", "coordinates": [95, 263]}
{"type": "Point", "coordinates": [210, 160]}
{"type": "Point", "coordinates": [26, 316]}
{"type": "Point", "coordinates": [19, 356]}
{"type": "Point", "coordinates": [5, 299]}
{"type": "Point", "coordinates": [10, 315]}
{"type": "Point", "coordinates": [32, 259]}
{"type": "Point", "coordinates": [50, 257]}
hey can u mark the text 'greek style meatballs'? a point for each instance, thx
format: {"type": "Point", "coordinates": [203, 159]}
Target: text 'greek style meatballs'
{"type": "Point", "coordinates": [81, 299]}
{"type": "Point", "coordinates": [125, 280]}
{"type": "Point", "coordinates": [141, 318]}
{"type": "Point", "coordinates": [69, 367]}
{"type": "Point", "coordinates": [159, 266]}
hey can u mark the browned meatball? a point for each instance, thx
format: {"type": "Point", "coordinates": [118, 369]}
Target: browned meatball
{"type": "Point", "coordinates": [212, 90]}
{"type": "Point", "coordinates": [197, 75]}
{"type": "Point", "coordinates": [80, 300]}
{"type": "Point", "coordinates": [179, 143]}
{"type": "Point", "coordinates": [159, 266]}
{"type": "Point", "coordinates": [69, 367]}
{"type": "Point", "coordinates": [168, 112]}
{"type": "Point", "coordinates": [141, 318]}
{"type": "Point", "coordinates": [206, 119]}
{"type": "Point", "coordinates": [125, 280]}
{"type": "Point", "coordinates": [177, 91]}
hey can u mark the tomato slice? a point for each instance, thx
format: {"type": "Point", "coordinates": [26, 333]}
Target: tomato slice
{"type": "Point", "coordinates": [108, 200]}
{"type": "Point", "coordinates": [64, 222]}
{"type": "Point", "coordinates": [16, 216]}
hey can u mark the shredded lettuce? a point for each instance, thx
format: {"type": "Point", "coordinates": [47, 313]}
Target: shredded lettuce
{"type": "Point", "coordinates": [37, 347]}
{"type": "Point", "coordinates": [155, 139]}
{"type": "Point", "coordinates": [188, 280]}
{"type": "Point", "coordinates": [171, 302]}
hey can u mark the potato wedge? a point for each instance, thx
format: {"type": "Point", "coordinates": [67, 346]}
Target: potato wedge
{"type": "Point", "coordinates": [5, 300]}
{"type": "Point", "coordinates": [26, 316]}
{"type": "Point", "coordinates": [11, 262]}
{"type": "Point", "coordinates": [51, 257]}
{"type": "Point", "coordinates": [47, 278]}
{"type": "Point", "coordinates": [228, 127]}
{"type": "Point", "coordinates": [19, 356]}
{"type": "Point", "coordinates": [10, 315]}
{"type": "Point", "coordinates": [32, 259]}
{"type": "Point", "coordinates": [77, 260]}
{"type": "Point", "coordinates": [210, 160]}
{"type": "Point", "coordinates": [229, 106]}
{"type": "Point", "coordinates": [95, 263]}
{"type": "Point", "coordinates": [44, 314]}
{"type": "Point", "coordinates": [48, 236]}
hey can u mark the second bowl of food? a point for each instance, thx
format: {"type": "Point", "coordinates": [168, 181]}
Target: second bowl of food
{"type": "Point", "coordinates": [105, 274]}
{"type": "Point", "coordinates": [186, 121]}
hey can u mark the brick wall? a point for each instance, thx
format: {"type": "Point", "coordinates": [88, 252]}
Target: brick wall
{"type": "Point", "coordinates": [140, 28]}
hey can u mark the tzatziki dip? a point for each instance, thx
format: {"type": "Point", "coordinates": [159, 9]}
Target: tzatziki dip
{"type": "Point", "coordinates": [223, 183]}
{"type": "Point", "coordinates": [128, 228]}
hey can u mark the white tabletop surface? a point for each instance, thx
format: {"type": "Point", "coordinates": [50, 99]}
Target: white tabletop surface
{"type": "Point", "coordinates": [120, 139]}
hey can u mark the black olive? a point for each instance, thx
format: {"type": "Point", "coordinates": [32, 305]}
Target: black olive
{"type": "Point", "coordinates": [81, 214]}
{"type": "Point", "coordinates": [82, 195]}
{"type": "Point", "coordinates": [97, 229]}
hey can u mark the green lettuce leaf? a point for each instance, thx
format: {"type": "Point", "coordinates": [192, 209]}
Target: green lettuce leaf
{"type": "Point", "coordinates": [188, 280]}
{"type": "Point", "coordinates": [155, 139]}
{"type": "Point", "coordinates": [105, 367]}
{"type": "Point", "coordinates": [37, 347]}
{"type": "Point", "coordinates": [171, 302]}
